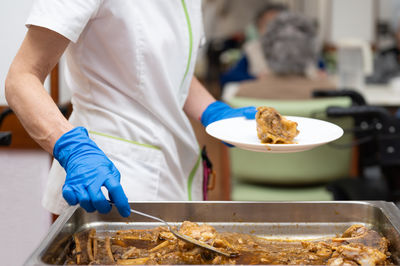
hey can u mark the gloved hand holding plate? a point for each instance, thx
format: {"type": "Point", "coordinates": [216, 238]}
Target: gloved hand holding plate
{"type": "Point", "coordinates": [280, 131]}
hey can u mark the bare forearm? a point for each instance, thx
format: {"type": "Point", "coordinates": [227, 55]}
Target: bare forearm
{"type": "Point", "coordinates": [35, 109]}
{"type": "Point", "coordinates": [198, 100]}
{"type": "Point", "coordinates": [25, 94]}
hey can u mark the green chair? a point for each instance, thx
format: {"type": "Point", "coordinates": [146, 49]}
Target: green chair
{"type": "Point", "coordinates": [293, 176]}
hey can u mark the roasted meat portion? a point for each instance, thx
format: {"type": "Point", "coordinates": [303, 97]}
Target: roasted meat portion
{"type": "Point", "coordinates": [357, 254]}
{"type": "Point", "coordinates": [357, 246]}
{"type": "Point", "coordinates": [273, 128]}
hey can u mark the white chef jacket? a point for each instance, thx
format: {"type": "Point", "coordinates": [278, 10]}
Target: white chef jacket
{"type": "Point", "coordinates": [129, 67]}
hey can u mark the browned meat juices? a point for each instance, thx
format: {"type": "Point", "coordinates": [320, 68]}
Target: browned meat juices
{"type": "Point", "coordinates": [357, 246]}
{"type": "Point", "coordinates": [273, 128]}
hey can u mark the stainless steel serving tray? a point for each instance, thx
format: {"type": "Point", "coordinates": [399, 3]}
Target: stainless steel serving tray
{"type": "Point", "coordinates": [288, 220]}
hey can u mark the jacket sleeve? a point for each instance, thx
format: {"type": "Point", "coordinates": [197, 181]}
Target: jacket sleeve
{"type": "Point", "coordinates": [66, 17]}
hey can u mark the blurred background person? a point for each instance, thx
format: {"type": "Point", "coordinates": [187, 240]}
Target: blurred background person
{"type": "Point", "coordinates": [226, 27]}
{"type": "Point", "coordinates": [289, 50]}
{"type": "Point", "coordinates": [252, 63]}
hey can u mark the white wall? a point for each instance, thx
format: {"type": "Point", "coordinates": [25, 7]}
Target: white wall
{"type": "Point", "coordinates": [13, 15]}
{"type": "Point", "coordinates": [23, 222]}
{"type": "Point", "coordinates": [12, 31]}
{"type": "Point", "coordinates": [387, 8]}
{"type": "Point", "coordinates": [353, 19]}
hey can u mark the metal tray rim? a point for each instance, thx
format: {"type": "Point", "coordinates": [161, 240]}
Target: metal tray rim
{"type": "Point", "coordinates": [389, 209]}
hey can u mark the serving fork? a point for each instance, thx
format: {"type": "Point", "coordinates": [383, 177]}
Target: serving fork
{"type": "Point", "coordinates": [186, 237]}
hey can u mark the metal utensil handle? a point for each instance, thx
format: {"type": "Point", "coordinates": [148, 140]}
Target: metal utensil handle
{"type": "Point", "coordinates": [203, 245]}
{"type": "Point", "coordinates": [151, 217]}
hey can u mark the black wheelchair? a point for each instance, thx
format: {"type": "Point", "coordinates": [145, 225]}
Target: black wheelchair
{"type": "Point", "coordinates": [376, 134]}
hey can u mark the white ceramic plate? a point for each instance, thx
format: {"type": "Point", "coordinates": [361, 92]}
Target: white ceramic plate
{"type": "Point", "coordinates": [242, 133]}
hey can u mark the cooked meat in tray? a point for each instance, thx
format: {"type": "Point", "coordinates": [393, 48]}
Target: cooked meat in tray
{"type": "Point", "coordinates": [313, 233]}
{"type": "Point", "coordinates": [358, 245]}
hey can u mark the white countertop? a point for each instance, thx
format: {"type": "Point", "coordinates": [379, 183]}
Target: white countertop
{"type": "Point", "coordinates": [381, 95]}
{"type": "Point", "coordinates": [374, 94]}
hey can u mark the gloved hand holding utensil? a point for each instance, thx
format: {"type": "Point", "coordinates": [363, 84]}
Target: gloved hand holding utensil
{"type": "Point", "coordinates": [88, 169]}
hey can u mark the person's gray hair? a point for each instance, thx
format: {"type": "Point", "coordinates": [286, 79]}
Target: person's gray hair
{"type": "Point", "coordinates": [289, 44]}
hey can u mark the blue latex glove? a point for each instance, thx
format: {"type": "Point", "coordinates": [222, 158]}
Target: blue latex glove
{"type": "Point", "coordinates": [88, 169]}
{"type": "Point", "coordinates": [219, 110]}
